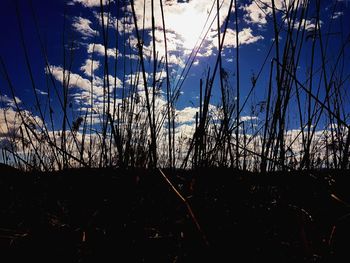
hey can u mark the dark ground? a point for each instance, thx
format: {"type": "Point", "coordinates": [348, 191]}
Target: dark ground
{"type": "Point", "coordinates": [92, 215]}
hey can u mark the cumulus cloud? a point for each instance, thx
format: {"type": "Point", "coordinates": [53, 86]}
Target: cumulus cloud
{"type": "Point", "coordinates": [11, 120]}
{"type": "Point", "coordinates": [82, 96]}
{"type": "Point", "coordinates": [245, 37]}
{"type": "Point", "coordinates": [176, 60]}
{"type": "Point", "coordinates": [255, 13]}
{"type": "Point", "coordinates": [186, 115]}
{"type": "Point", "coordinates": [82, 25]}
{"type": "Point", "coordinates": [99, 49]}
{"type": "Point", "coordinates": [79, 82]}
{"type": "Point", "coordinates": [89, 67]}
{"type": "Point", "coordinates": [258, 11]}
{"type": "Point", "coordinates": [184, 131]}
{"type": "Point", "coordinates": [180, 33]}
{"type": "Point", "coordinates": [309, 24]}
{"type": "Point", "coordinates": [75, 80]}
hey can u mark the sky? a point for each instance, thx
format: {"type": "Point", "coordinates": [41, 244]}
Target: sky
{"type": "Point", "coordinates": [59, 26]}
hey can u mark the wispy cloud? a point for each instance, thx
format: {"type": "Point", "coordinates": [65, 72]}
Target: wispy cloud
{"type": "Point", "coordinates": [90, 3]}
{"type": "Point", "coordinates": [6, 101]}
{"type": "Point", "coordinates": [336, 15]}
{"type": "Point", "coordinates": [41, 92]}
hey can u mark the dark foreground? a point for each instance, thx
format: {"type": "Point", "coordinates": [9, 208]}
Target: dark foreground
{"type": "Point", "coordinates": [90, 215]}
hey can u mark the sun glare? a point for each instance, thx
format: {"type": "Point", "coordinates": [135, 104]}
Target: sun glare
{"type": "Point", "coordinates": [188, 23]}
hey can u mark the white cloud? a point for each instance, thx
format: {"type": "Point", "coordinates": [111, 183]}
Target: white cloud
{"type": "Point", "coordinates": [184, 22]}
{"type": "Point", "coordinates": [41, 92]}
{"type": "Point", "coordinates": [79, 82]}
{"type": "Point", "coordinates": [89, 67]}
{"type": "Point", "coordinates": [99, 49]}
{"type": "Point", "coordinates": [245, 37]}
{"type": "Point", "coordinates": [258, 11]}
{"type": "Point", "coordinates": [124, 25]}
{"type": "Point", "coordinates": [248, 118]}
{"type": "Point", "coordinates": [10, 121]}
{"type": "Point", "coordinates": [132, 56]}
{"type": "Point", "coordinates": [82, 96]}
{"type": "Point", "coordinates": [186, 115]}
{"type": "Point", "coordinates": [90, 3]}
{"type": "Point", "coordinates": [336, 15]}
{"type": "Point", "coordinates": [309, 24]}
{"type": "Point", "coordinates": [108, 19]}
{"type": "Point", "coordinates": [9, 102]}
{"type": "Point", "coordinates": [131, 78]}
{"type": "Point", "coordinates": [75, 80]}
{"type": "Point", "coordinates": [176, 60]}
{"type": "Point", "coordinates": [116, 80]}
{"type": "Point", "coordinates": [82, 25]}
{"type": "Point", "coordinates": [184, 131]}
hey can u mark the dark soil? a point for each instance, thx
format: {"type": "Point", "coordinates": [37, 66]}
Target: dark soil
{"type": "Point", "coordinates": [106, 215]}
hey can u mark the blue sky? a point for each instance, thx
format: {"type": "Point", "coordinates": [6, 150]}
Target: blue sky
{"type": "Point", "coordinates": [184, 20]}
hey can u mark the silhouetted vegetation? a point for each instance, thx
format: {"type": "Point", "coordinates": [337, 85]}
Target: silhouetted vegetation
{"type": "Point", "coordinates": [119, 181]}
{"type": "Point", "coordinates": [138, 127]}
